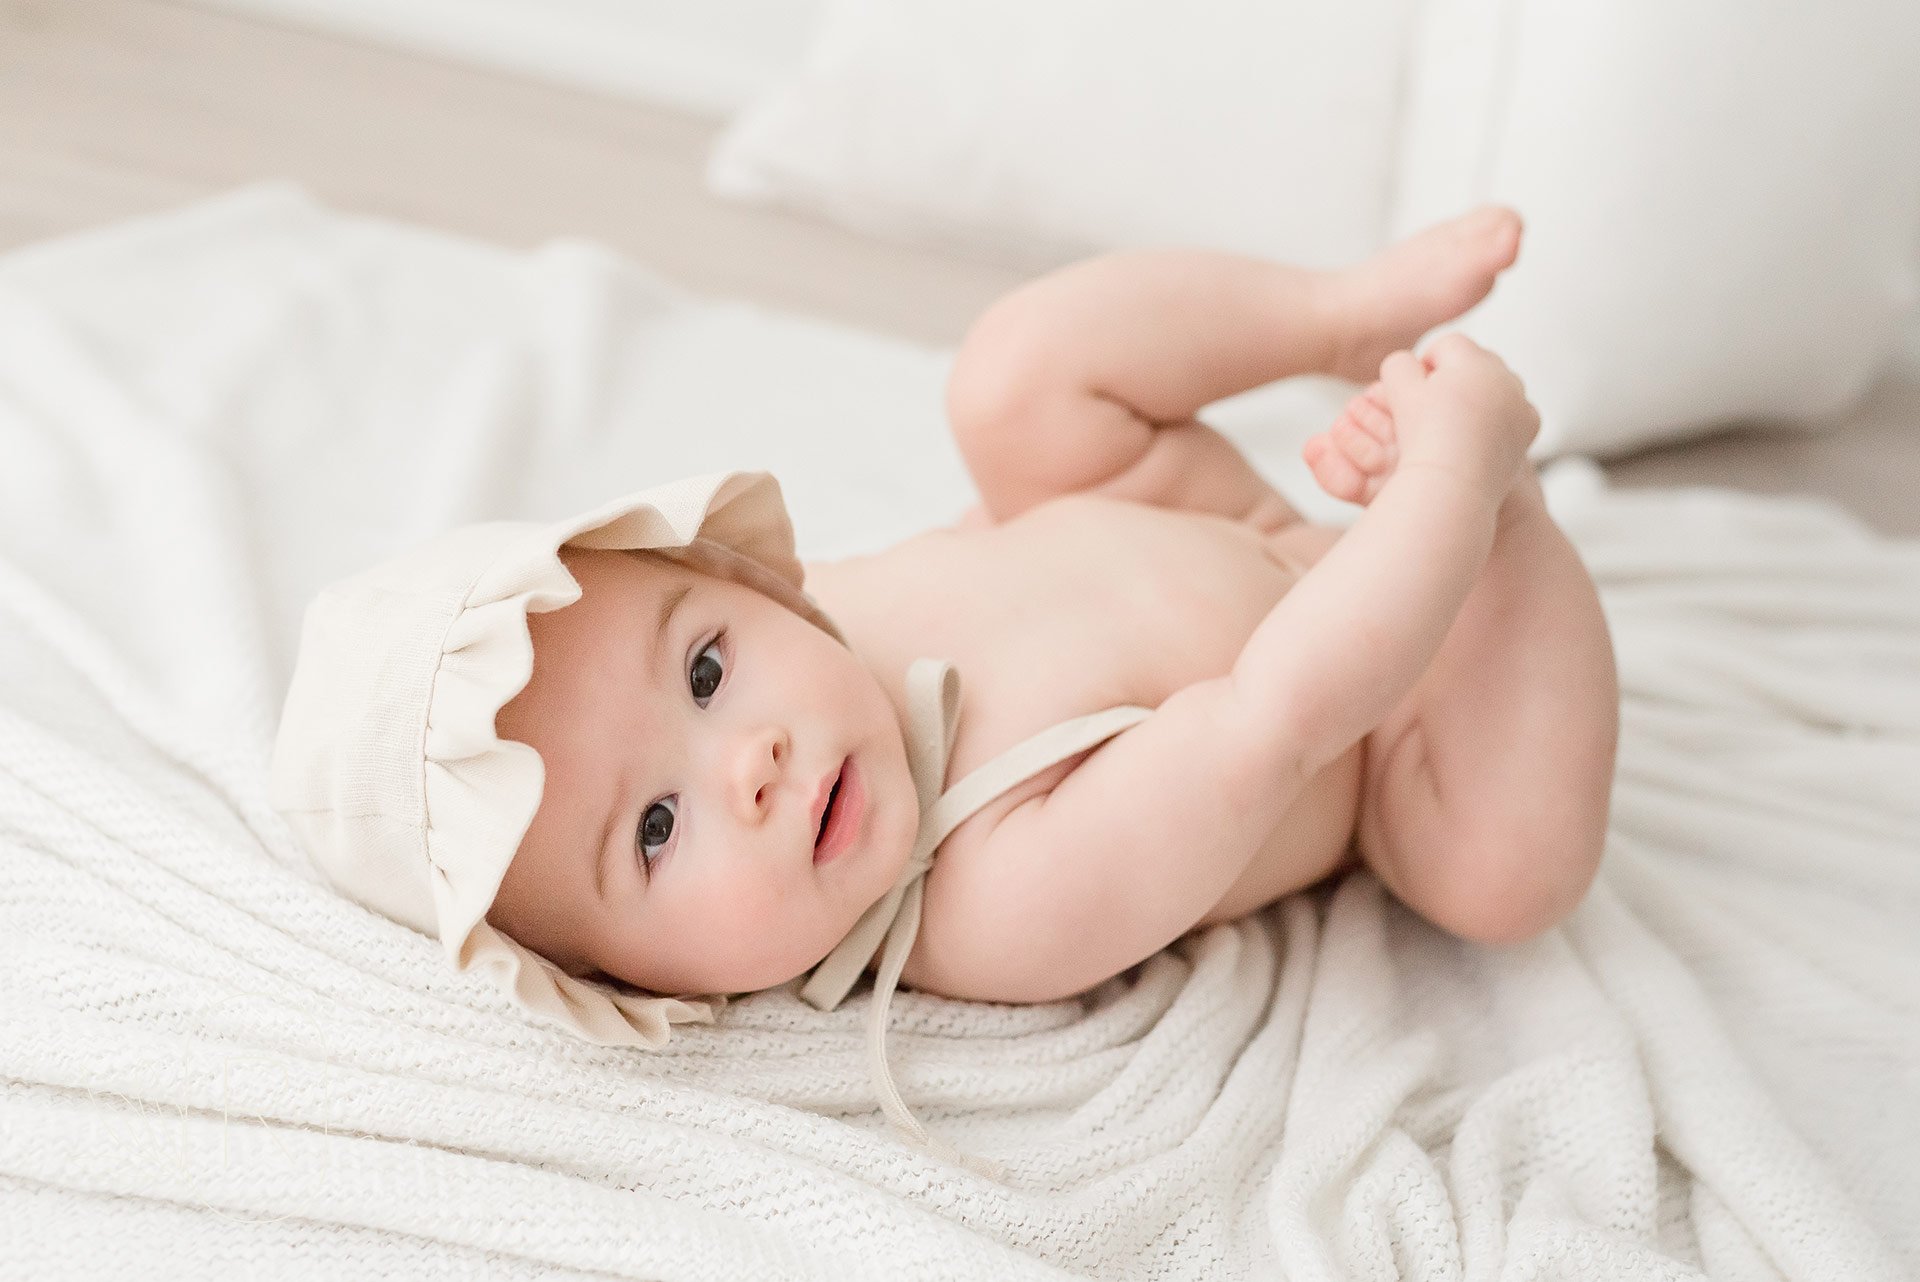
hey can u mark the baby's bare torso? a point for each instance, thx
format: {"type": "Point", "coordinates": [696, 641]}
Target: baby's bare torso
{"type": "Point", "coordinates": [1077, 605]}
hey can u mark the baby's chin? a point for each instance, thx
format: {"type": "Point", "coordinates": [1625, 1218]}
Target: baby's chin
{"type": "Point", "coordinates": [739, 986]}
{"type": "Point", "coordinates": [806, 947]}
{"type": "Point", "coordinates": [889, 863]}
{"type": "Point", "coordinates": [896, 819]}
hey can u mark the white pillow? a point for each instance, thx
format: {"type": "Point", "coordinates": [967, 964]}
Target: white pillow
{"type": "Point", "coordinates": [1040, 132]}
{"type": "Point", "coordinates": [1721, 200]}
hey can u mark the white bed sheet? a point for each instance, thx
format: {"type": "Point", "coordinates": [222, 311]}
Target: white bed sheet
{"type": "Point", "coordinates": [1712, 1069]}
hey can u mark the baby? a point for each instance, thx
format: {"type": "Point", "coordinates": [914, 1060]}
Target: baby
{"type": "Point", "coordinates": [1162, 699]}
{"type": "Point", "coordinates": [1431, 691]}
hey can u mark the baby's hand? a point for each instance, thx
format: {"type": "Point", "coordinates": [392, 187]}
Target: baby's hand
{"type": "Point", "coordinates": [1352, 459]}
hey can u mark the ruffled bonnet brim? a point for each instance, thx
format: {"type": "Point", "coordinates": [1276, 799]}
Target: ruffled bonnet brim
{"type": "Point", "coordinates": [388, 766]}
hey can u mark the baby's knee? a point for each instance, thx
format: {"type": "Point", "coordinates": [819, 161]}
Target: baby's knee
{"type": "Point", "coordinates": [1490, 868]}
{"type": "Point", "coordinates": [1509, 884]}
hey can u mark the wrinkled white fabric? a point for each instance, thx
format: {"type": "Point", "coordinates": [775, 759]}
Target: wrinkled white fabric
{"type": "Point", "coordinates": [211, 1057]}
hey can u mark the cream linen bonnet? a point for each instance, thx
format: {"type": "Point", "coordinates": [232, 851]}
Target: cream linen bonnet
{"type": "Point", "coordinates": [387, 766]}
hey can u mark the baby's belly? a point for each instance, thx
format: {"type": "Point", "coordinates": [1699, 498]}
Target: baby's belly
{"type": "Point", "coordinates": [1101, 601]}
{"type": "Point", "coordinates": [1209, 585]}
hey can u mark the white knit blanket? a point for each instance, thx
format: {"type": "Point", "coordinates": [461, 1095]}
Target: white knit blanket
{"type": "Point", "coordinates": [215, 1066]}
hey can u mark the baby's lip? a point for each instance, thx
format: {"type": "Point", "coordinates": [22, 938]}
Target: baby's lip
{"type": "Point", "coordinates": [824, 791]}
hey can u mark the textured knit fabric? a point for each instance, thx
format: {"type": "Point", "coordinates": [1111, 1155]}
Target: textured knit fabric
{"type": "Point", "coordinates": [214, 1064]}
{"type": "Point", "coordinates": [211, 1059]}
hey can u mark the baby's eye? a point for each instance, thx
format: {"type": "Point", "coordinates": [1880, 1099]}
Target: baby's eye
{"type": "Point", "coordinates": [656, 826]}
{"type": "Point", "coordinates": [703, 678]}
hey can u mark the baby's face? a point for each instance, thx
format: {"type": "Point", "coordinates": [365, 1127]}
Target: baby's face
{"type": "Point", "coordinates": [674, 845]}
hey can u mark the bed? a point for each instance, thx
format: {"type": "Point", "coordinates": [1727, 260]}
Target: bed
{"type": "Point", "coordinates": [1712, 1069]}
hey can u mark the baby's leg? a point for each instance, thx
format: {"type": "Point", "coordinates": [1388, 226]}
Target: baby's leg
{"type": "Point", "coordinates": [1385, 304]}
{"type": "Point", "coordinates": [1486, 793]}
{"type": "Point", "coordinates": [1091, 377]}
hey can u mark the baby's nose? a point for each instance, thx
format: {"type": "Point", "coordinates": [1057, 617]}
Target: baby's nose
{"type": "Point", "coordinates": [759, 762]}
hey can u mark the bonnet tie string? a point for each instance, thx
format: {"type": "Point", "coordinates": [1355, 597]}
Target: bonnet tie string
{"type": "Point", "coordinates": [933, 706]}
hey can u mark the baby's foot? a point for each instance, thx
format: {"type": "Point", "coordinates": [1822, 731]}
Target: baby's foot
{"type": "Point", "coordinates": [1389, 301]}
{"type": "Point", "coordinates": [1352, 459]}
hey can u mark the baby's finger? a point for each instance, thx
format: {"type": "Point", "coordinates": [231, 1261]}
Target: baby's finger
{"type": "Point", "coordinates": [1449, 349]}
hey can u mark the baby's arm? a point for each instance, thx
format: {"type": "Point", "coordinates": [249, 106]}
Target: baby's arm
{"type": "Point", "coordinates": [1147, 834]}
{"type": "Point", "coordinates": [1089, 379]}
{"type": "Point", "coordinates": [1341, 649]}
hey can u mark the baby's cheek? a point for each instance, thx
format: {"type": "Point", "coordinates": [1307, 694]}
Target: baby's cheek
{"type": "Point", "coordinates": [765, 936]}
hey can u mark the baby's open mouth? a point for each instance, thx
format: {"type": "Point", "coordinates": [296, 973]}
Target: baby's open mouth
{"type": "Point", "coordinates": [826, 816]}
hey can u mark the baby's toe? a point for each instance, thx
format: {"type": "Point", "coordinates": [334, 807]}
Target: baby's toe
{"type": "Point", "coordinates": [1333, 470]}
{"type": "Point", "coordinates": [1376, 421]}
{"type": "Point", "coordinates": [1359, 445]}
